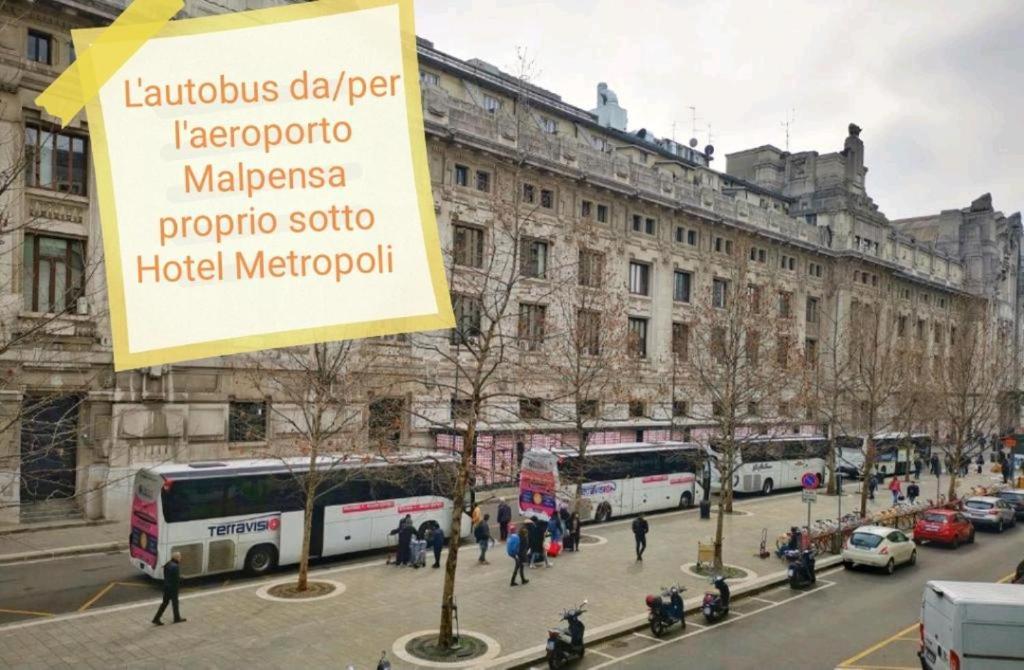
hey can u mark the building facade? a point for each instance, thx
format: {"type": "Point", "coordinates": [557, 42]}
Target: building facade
{"type": "Point", "coordinates": [645, 223]}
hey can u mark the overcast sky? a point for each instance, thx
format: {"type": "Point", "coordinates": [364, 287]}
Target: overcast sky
{"type": "Point", "coordinates": [938, 87]}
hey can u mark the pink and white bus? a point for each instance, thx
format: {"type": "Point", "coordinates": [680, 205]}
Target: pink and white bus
{"type": "Point", "coordinates": [248, 514]}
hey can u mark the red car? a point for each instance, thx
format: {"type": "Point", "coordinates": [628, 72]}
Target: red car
{"type": "Point", "coordinates": [945, 526]}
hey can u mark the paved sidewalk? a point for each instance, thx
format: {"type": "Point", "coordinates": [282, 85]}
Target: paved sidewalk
{"type": "Point", "coordinates": [34, 543]}
{"type": "Point", "coordinates": [234, 627]}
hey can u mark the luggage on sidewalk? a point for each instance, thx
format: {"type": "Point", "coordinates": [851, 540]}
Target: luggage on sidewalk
{"type": "Point", "coordinates": [554, 548]}
{"type": "Point", "coordinates": [418, 549]}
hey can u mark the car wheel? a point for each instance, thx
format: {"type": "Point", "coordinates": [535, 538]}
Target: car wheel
{"type": "Point", "coordinates": [604, 513]}
{"type": "Point", "coordinates": [970, 538]}
{"type": "Point", "coordinates": [261, 559]}
{"type": "Point", "coordinates": [913, 558]}
{"type": "Point", "coordinates": [890, 567]}
{"type": "Point", "coordinates": [1000, 528]}
{"type": "Point", "coordinates": [956, 543]}
{"type": "Point", "coordinates": [767, 487]}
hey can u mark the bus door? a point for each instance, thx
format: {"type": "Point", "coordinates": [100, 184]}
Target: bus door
{"type": "Point", "coordinates": [316, 532]}
{"type": "Point", "coordinates": [354, 527]}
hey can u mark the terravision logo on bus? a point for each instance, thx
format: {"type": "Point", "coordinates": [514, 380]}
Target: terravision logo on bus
{"type": "Point", "coordinates": [247, 526]}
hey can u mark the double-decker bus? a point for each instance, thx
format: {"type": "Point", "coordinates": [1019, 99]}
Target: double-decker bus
{"type": "Point", "coordinates": [622, 479]}
{"type": "Point", "coordinates": [248, 514]}
{"type": "Point", "coordinates": [894, 453]}
{"type": "Point", "coordinates": [764, 464]}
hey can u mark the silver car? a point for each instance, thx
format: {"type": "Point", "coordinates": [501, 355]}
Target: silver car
{"type": "Point", "coordinates": [990, 512]}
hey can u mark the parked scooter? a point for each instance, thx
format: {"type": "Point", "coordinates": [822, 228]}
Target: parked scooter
{"type": "Point", "coordinates": [666, 609]}
{"type": "Point", "coordinates": [566, 644]}
{"type": "Point", "coordinates": [801, 568]}
{"type": "Point", "coordinates": [716, 605]}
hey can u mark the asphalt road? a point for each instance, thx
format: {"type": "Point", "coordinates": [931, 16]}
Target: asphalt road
{"type": "Point", "coordinates": [850, 614]}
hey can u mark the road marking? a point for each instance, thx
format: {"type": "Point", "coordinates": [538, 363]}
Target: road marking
{"type": "Point", "coordinates": [770, 602]}
{"type": "Point", "coordinates": [882, 667]}
{"type": "Point", "coordinates": [26, 612]}
{"type": "Point", "coordinates": [99, 594]}
{"type": "Point", "coordinates": [648, 637]}
{"type": "Point", "coordinates": [138, 584]}
{"type": "Point", "coordinates": [601, 653]}
{"type": "Point", "coordinates": [875, 647]}
{"type": "Point", "coordinates": [732, 617]}
{"type": "Point", "coordinates": [1005, 579]}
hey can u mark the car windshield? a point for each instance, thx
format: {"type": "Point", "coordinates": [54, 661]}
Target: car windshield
{"type": "Point", "coordinates": [865, 540]}
{"type": "Point", "coordinates": [934, 518]}
{"type": "Point", "coordinates": [978, 504]}
{"type": "Point", "coordinates": [1010, 495]}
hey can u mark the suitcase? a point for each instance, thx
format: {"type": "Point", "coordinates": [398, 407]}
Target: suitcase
{"type": "Point", "coordinates": [418, 549]}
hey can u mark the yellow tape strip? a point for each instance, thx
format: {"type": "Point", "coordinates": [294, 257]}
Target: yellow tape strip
{"type": "Point", "coordinates": [81, 82]}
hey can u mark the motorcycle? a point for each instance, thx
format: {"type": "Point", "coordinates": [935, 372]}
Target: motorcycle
{"type": "Point", "coordinates": [666, 609]}
{"type": "Point", "coordinates": [801, 568]}
{"type": "Point", "coordinates": [566, 644]}
{"type": "Point", "coordinates": [716, 605]}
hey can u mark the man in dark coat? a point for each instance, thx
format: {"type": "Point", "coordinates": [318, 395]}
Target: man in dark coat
{"type": "Point", "coordinates": [405, 532]}
{"type": "Point", "coordinates": [437, 544]}
{"type": "Point", "coordinates": [172, 576]}
{"type": "Point", "coordinates": [504, 518]}
{"type": "Point", "coordinates": [640, 529]}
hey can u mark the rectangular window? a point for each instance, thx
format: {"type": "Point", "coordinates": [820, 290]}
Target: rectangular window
{"type": "Point", "coordinates": [680, 408]}
{"type": "Point", "coordinates": [247, 421]}
{"type": "Point", "coordinates": [549, 125]}
{"type": "Point", "coordinates": [637, 409]}
{"type": "Point", "coordinates": [461, 175]}
{"type": "Point", "coordinates": [920, 329]}
{"type": "Point", "coordinates": [587, 409]}
{"type": "Point", "coordinates": [758, 255]}
{"type": "Point", "coordinates": [602, 213]}
{"type": "Point", "coordinates": [812, 310]}
{"type": "Point", "coordinates": [650, 226]}
{"type": "Point", "coordinates": [429, 78]}
{"type": "Point", "coordinates": [591, 268]}
{"type": "Point", "coordinates": [754, 298]}
{"type": "Point", "coordinates": [811, 352]}
{"type": "Point", "coordinates": [692, 238]}
{"type": "Point", "coordinates": [811, 219]}
{"type": "Point", "coordinates": [468, 317]}
{"type": "Point", "coordinates": [531, 408]}
{"type": "Point", "coordinates": [547, 199]}
{"type": "Point", "coordinates": [901, 326]}
{"type": "Point", "coordinates": [491, 104]}
{"type": "Point", "coordinates": [752, 408]}
{"type": "Point", "coordinates": [638, 337]}
{"type": "Point", "coordinates": [588, 324]}
{"type": "Point", "coordinates": [785, 304]}
{"type": "Point", "coordinates": [53, 274]}
{"type": "Point", "coordinates": [40, 47]}
{"type": "Point", "coordinates": [385, 421]}
{"type": "Point", "coordinates": [483, 181]}
{"type": "Point", "coordinates": [787, 263]}
{"type": "Point", "coordinates": [529, 194]}
{"type": "Point", "coordinates": [718, 344]}
{"type": "Point", "coordinates": [814, 270]}
{"type": "Point", "coordinates": [719, 293]}
{"type": "Point", "coordinates": [531, 326]}
{"type": "Point", "coordinates": [638, 223]}
{"type": "Point", "coordinates": [681, 284]}
{"type": "Point", "coordinates": [681, 340]}
{"type": "Point", "coordinates": [55, 160]}
{"type": "Point", "coordinates": [461, 408]}
{"type": "Point", "coordinates": [586, 209]}
{"type": "Point", "coordinates": [534, 258]}
{"type": "Point", "coordinates": [468, 246]}
{"type": "Point", "coordinates": [639, 278]}
{"type": "Point", "coordinates": [782, 351]}
{"type": "Point", "coordinates": [723, 246]}
{"type": "Point", "coordinates": [680, 234]}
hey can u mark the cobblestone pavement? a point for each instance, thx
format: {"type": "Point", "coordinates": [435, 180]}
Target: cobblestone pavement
{"type": "Point", "coordinates": [234, 627]}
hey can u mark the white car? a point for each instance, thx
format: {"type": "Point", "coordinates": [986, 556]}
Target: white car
{"type": "Point", "coordinates": [879, 547]}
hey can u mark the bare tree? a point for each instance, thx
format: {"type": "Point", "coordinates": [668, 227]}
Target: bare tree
{"type": "Point", "coordinates": [968, 381]}
{"type": "Point", "coordinates": [743, 352]}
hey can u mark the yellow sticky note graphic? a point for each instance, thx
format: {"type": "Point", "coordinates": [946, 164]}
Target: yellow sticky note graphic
{"type": "Point", "coordinates": [262, 182]}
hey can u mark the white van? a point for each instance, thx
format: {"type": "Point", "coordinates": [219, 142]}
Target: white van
{"type": "Point", "coordinates": [972, 626]}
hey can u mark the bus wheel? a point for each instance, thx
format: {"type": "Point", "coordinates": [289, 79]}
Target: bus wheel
{"type": "Point", "coordinates": [604, 512]}
{"type": "Point", "coordinates": [686, 500]}
{"type": "Point", "coordinates": [261, 559]}
{"type": "Point", "coordinates": [767, 487]}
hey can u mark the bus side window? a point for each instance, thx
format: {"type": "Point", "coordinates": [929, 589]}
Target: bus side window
{"type": "Point", "coordinates": [250, 495]}
{"type": "Point", "coordinates": [793, 450]}
{"type": "Point", "coordinates": [194, 499]}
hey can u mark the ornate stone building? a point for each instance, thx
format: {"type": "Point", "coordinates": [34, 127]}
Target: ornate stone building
{"type": "Point", "coordinates": [650, 217]}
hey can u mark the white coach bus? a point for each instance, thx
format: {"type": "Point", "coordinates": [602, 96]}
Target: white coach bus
{"type": "Point", "coordinates": [248, 515]}
{"type": "Point", "coordinates": [622, 479]}
{"type": "Point", "coordinates": [765, 464]}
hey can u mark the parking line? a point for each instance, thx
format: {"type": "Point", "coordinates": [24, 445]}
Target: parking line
{"type": "Point", "coordinates": [26, 612]}
{"type": "Point", "coordinates": [601, 653]}
{"type": "Point", "coordinates": [144, 586]}
{"type": "Point", "coordinates": [733, 616]}
{"type": "Point", "coordinates": [875, 647]}
{"type": "Point", "coordinates": [648, 637]}
{"type": "Point", "coordinates": [99, 594]}
{"type": "Point", "coordinates": [770, 602]}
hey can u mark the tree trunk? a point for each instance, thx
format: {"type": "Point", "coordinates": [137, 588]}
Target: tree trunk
{"type": "Point", "coordinates": [719, 530]}
{"type": "Point", "coordinates": [445, 635]}
{"type": "Point", "coordinates": [833, 487]}
{"type": "Point", "coordinates": [954, 472]}
{"type": "Point", "coordinates": [307, 528]}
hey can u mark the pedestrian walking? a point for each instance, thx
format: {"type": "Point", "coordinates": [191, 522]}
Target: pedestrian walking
{"type": "Point", "coordinates": [482, 534]}
{"type": "Point", "coordinates": [640, 528]}
{"type": "Point", "coordinates": [556, 532]}
{"type": "Point", "coordinates": [504, 518]}
{"type": "Point", "coordinates": [1004, 467]}
{"type": "Point", "coordinates": [895, 488]}
{"type": "Point", "coordinates": [872, 485]}
{"type": "Point", "coordinates": [518, 548]}
{"type": "Point", "coordinates": [573, 532]}
{"type": "Point", "coordinates": [913, 491]}
{"type": "Point", "coordinates": [980, 462]}
{"type": "Point", "coordinates": [537, 553]}
{"type": "Point", "coordinates": [437, 544]}
{"type": "Point", "coordinates": [172, 576]}
{"type": "Point", "coordinates": [935, 465]}
{"type": "Point", "coordinates": [405, 531]}
{"type": "Point", "coordinates": [918, 467]}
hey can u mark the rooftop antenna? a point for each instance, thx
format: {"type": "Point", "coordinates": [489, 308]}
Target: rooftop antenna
{"type": "Point", "coordinates": [788, 123]}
